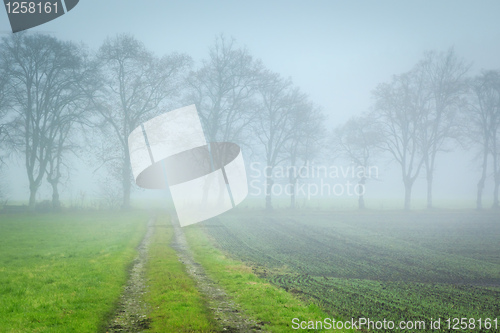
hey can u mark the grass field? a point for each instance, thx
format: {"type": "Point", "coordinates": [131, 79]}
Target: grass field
{"type": "Point", "coordinates": [175, 302]}
{"type": "Point", "coordinates": [387, 265]}
{"type": "Point", "coordinates": [64, 273]}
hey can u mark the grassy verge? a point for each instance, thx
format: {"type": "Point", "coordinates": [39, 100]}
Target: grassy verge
{"type": "Point", "coordinates": [176, 304]}
{"type": "Point", "coordinates": [262, 301]}
{"type": "Point", "coordinates": [64, 273]}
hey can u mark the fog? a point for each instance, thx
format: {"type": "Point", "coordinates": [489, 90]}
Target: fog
{"type": "Point", "coordinates": [250, 166]}
{"type": "Point", "coordinates": [335, 53]}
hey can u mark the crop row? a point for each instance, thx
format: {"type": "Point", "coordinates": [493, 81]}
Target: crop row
{"type": "Point", "coordinates": [382, 267]}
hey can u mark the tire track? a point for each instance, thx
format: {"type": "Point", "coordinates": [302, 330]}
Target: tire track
{"type": "Point", "coordinates": [224, 309]}
{"type": "Point", "coordinates": [131, 313]}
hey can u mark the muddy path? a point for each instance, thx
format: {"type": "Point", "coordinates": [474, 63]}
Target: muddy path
{"type": "Point", "coordinates": [131, 313]}
{"type": "Point", "coordinates": [224, 309]}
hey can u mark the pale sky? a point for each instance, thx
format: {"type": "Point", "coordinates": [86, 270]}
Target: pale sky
{"type": "Point", "coordinates": [336, 51]}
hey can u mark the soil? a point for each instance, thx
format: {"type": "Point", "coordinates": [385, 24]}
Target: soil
{"type": "Point", "coordinates": [131, 313]}
{"type": "Point", "coordinates": [224, 309]}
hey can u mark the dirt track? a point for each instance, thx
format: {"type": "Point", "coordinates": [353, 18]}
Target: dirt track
{"type": "Point", "coordinates": [131, 313]}
{"type": "Point", "coordinates": [225, 311]}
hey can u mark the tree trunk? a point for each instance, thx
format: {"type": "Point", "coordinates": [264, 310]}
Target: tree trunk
{"type": "Point", "coordinates": [32, 202]}
{"type": "Point", "coordinates": [495, 193]}
{"type": "Point", "coordinates": [269, 186]}
{"type": "Point", "coordinates": [56, 203]}
{"type": "Point", "coordinates": [293, 181]}
{"type": "Point", "coordinates": [480, 184]}
{"type": "Point", "coordinates": [361, 196]}
{"type": "Point", "coordinates": [126, 184]}
{"type": "Point", "coordinates": [496, 175]}
{"type": "Point", "coordinates": [479, 198]}
{"type": "Point", "coordinates": [408, 186]}
{"type": "Point", "coordinates": [429, 189]}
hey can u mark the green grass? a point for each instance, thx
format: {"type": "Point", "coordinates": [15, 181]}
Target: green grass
{"type": "Point", "coordinates": [64, 273]}
{"type": "Point", "coordinates": [176, 305]}
{"type": "Point", "coordinates": [260, 300]}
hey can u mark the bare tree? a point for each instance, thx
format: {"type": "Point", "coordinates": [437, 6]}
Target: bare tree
{"type": "Point", "coordinates": [306, 141]}
{"type": "Point", "coordinates": [280, 102]}
{"type": "Point", "coordinates": [358, 141]}
{"type": "Point", "coordinates": [3, 124]}
{"type": "Point", "coordinates": [3, 98]}
{"type": "Point", "coordinates": [136, 86]}
{"type": "Point", "coordinates": [63, 143]}
{"type": "Point", "coordinates": [77, 116]}
{"type": "Point", "coordinates": [399, 109]}
{"type": "Point", "coordinates": [445, 75]}
{"type": "Point", "coordinates": [223, 90]}
{"type": "Point", "coordinates": [482, 126]}
{"type": "Point", "coordinates": [3, 109]}
{"type": "Point", "coordinates": [495, 151]}
{"type": "Point", "coordinates": [43, 73]}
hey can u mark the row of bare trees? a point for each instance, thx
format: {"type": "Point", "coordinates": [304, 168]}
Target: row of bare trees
{"type": "Point", "coordinates": [423, 113]}
{"type": "Point", "coordinates": [51, 88]}
{"type": "Point", "coordinates": [55, 96]}
{"type": "Point", "coordinates": [239, 100]}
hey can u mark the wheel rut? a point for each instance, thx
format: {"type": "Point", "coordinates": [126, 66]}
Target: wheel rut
{"type": "Point", "coordinates": [131, 313]}
{"type": "Point", "coordinates": [224, 309]}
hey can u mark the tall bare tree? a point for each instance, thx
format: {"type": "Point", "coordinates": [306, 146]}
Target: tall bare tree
{"type": "Point", "coordinates": [495, 151]}
{"type": "Point", "coordinates": [399, 109]}
{"type": "Point", "coordinates": [358, 141]}
{"type": "Point", "coordinates": [43, 73]}
{"type": "Point", "coordinates": [137, 84]}
{"type": "Point", "coordinates": [3, 108]}
{"type": "Point", "coordinates": [64, 142]}
{"type": "Point", "coordinates": [483, 124]}
{"type": "Point", "coordinates": [306, 141]}
{"type": "Point", "coordinates": [280, 103]}
{"type": "Point", "coordinates": [445, 78]}
{"type": "Point", "coordinates": [223, 90]}
{"type": "Point", "coordinates": [3, 123]}
{"type": "Point", "coordinates": [76, 120]}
